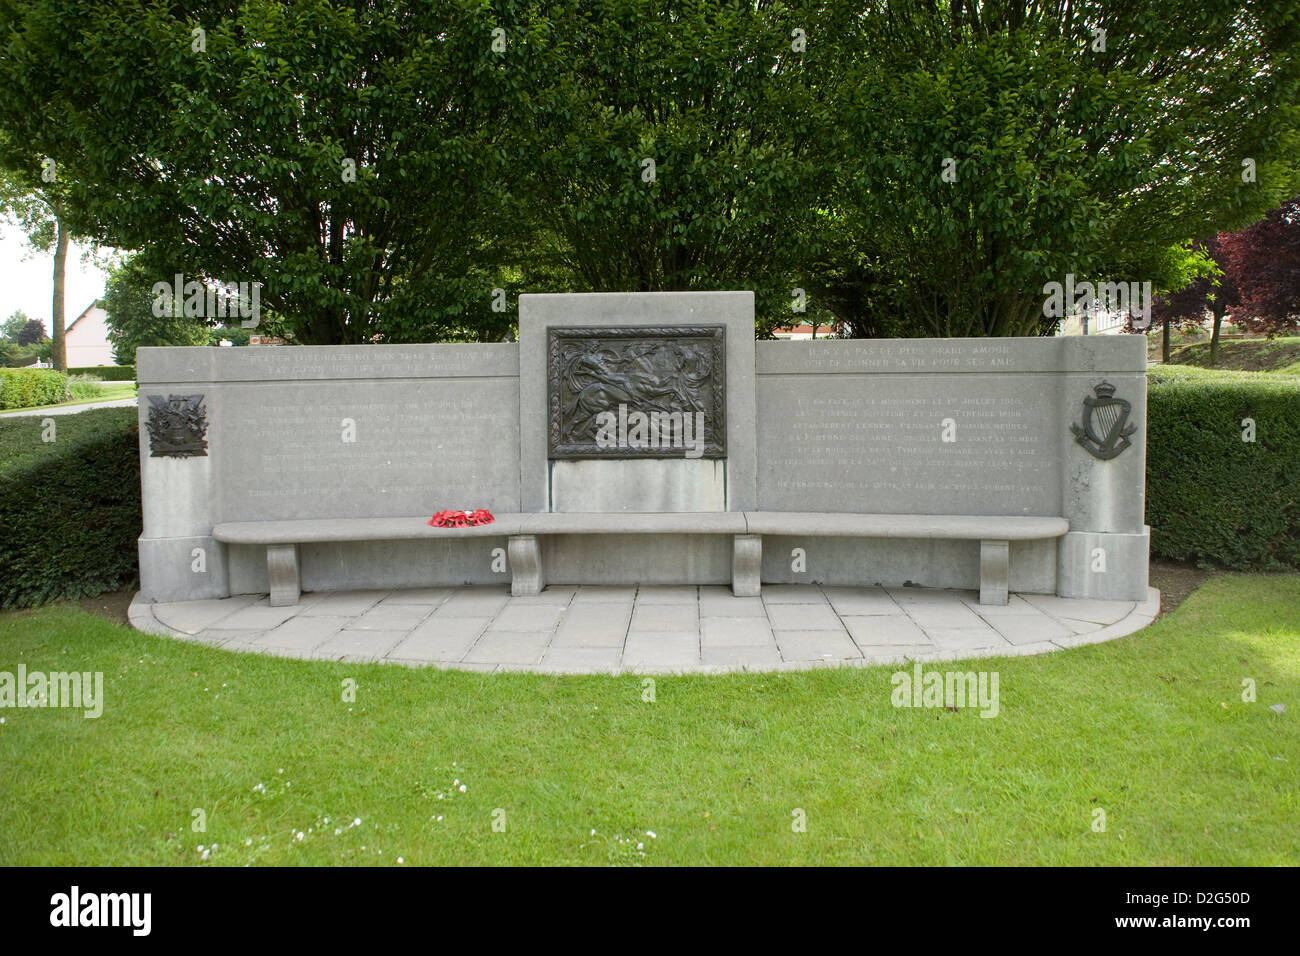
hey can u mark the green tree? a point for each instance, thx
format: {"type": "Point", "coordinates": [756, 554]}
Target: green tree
{"type": "Point", "coordinates": [677, 144]}
{"type": "Point", "coordinates": [11, 326]}
{"type": "Point", "coordinates": [132, 319]}
{"type": "Point", "coordinates": [32, 195]}
{"type": "Point", "coordinates": [345, 155]}
{"type": "Point", "coordinates": [994, 147]}
{"type": "Point", "coordinates": [32, 333]}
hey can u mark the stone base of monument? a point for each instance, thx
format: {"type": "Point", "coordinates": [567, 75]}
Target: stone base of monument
{"type": "Point", "coordinates": [647, 629]}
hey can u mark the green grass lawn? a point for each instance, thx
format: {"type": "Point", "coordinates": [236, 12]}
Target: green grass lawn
{"type": "Point", "coordinates": [1258, 354]}
{"type": "Point", "coordinates": [1152, 729]}
{"type": "Point", "coordinates": [108, 392]}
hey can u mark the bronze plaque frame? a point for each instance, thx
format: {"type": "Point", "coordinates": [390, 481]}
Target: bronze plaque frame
{"type": "Point", "coordinates": [662, 369]}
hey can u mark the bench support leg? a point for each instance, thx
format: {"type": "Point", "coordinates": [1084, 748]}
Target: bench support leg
{"type": "Point", "coordinates": [995, 571]}
{"type": "Point", "coordinates": [525, 565]}
{"type": "Point", "coordinates": [282, 572]}
{"type": "Point", "coordinates": [747, 565]}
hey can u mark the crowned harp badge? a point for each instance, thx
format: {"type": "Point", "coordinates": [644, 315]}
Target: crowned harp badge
{"type": "Point", "coordinates": [1104, 431]}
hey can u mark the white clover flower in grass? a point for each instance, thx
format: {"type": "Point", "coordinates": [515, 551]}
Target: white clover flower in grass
{"type": "Point", "coordinates": [462, 788]}
{"type": "Point", "coordinates": [650, 834]}
{"type": "Point", "coordinates": [298, 836]}
{"type": "Point", "coordinates": [337, 831]}
{"type": "Point", "coordinates": [400, 860]}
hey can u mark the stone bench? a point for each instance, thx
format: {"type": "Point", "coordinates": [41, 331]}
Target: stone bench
{"type": "Point", "coordinates": [994, 532]}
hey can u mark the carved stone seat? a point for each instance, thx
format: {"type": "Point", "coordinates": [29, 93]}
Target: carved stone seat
{"type": "Point", "coordinates": [994, 532]}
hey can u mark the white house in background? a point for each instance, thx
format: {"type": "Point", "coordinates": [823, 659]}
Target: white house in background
{"type": "Point", "coordinates": [86, 338]}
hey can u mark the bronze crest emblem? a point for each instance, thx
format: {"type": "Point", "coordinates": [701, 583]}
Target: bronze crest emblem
{"type": "Point", "coordinates": [1104, 431]}
{"type": "Point", "coordinates": [177, 425]}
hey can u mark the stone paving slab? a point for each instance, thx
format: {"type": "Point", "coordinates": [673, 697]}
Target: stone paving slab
{"type": "Point", "coordinates": [678, 630]}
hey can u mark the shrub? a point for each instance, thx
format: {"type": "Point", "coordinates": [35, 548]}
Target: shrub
{"type": "Point", "coordinates": [30, 387]}
{"type": "Point", "coordinates": [69, 509]}
{"type": "Point", "coordinates": [1212, 496]}
{"type": "Point", "coordinates": [84, 386]}
{"type": "Point", "coordinates": [106, 373]}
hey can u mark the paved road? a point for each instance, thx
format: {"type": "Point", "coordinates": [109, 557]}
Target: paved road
{"type": "Point", "coordinates": [70, 409]}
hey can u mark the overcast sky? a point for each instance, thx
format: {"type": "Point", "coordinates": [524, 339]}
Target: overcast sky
{"type": "Point", "coordinates": [27, 279]}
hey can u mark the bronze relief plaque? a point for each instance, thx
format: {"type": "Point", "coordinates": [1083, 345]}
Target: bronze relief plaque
{"type": "Point", "coordinates": [637, 392]}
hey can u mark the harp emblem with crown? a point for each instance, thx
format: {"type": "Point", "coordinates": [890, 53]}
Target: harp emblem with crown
{"type": "Point", "coordinates": [1102, 431]}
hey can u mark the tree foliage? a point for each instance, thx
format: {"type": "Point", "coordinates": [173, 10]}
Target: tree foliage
{"type": "Point", "coordinates": [503, 145]}
{"type": "Point", "coordinates": [1062, 156]}
{"type": "Point", "coordinates": [1263, 263]}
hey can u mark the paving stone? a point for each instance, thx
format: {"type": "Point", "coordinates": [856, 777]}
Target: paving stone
{"type": "Point", "coordinates": [720, 602]}
{"type": "Point", "coordinates": [793, 594]}
{"type": "Point", "coordinates": [885, 630]}
{"type": "Point", "coordinates": [528, 617]}
{"type": "Point", "coordinates": [1081, 609]}
{"type": "Point", "coordinates": [303, 633]}
{"type": "Point", "coordinates": [965, 639]}
{"type": "Point", "coordinates": [1016, 605]}
{"type": "Point", "coordinates": [193, 616]}
{"type": "Point", "coordinates": [391, 617]}
{"type": "Point", "coordinates": [558, 596]}
{"type": "Point", "coordinates": [815, 645]}
{"type": "Point", "coordinates": [360, 645]}
{"type": "Point", "coordinates": [485, 630]}
{"type": "Point", "coordinates": [580, 660]}
{"type": "Point", "coordinates": [664, 617]}
{"type": "Point", "coordinates": [741, 632]}
{"type": "Point", "coordinates": [650, 651]}
{"type": "Point", "coordinates": [418, 596]}
{"type": "Point", "coordinates": [473, 602]}
{"type": "Point", "coordinates": [942, 597]}
{"type": "Point", "coordinates": [352, 603]}
{"type": "Point", "coordinates": [1028, 628]}
{"type": "Point", "coordinates": [803, 617]}
{"type": "Point", "coordinates": [862, 601]}
{"type": "Point", "coordinates": [252, 617]}
{"type": "Point", "coordinates": [947, 616]}
{"type": "Point", "coordinates": [596, 625]}
{"type": "Point", "coordinates": [667, 594]}
{"type": "Point", "coordinates": [897, 653]}
{"type": "Point", "coordinates": [222, 638]}
{"type": "Point", "coordinates": [440, 639]}
{"type": "Point", "coordinates": [763, 655]}
{"type": "Point", "coordinates": [604, 594]}
{"type": "Point", "coordinates": [510, 647]}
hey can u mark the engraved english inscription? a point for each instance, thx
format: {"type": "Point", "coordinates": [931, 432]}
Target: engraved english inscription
{"type": "Point", "coordinates": [637, 392]}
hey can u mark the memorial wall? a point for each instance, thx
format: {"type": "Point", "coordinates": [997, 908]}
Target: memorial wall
{"type": "Point", "coordinates": [1049, 427]}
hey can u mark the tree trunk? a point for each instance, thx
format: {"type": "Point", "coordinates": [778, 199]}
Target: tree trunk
{"type": "Point", "coordinates": [1214, 337]}
{"type": "Point", "coordinates": [58, 347]}
{"type": "Point", "coordinates": [1165, 346]}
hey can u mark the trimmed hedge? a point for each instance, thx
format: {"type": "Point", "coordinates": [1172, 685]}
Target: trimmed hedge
{"type": "Point", "coordinates": [69, 509]}
{"type": "Point", "coordinates": [106, 373]}
{"type": "Point", "coordinates": [30, 387]}
{"type": "Point", "coordinates": [1212, 497]}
